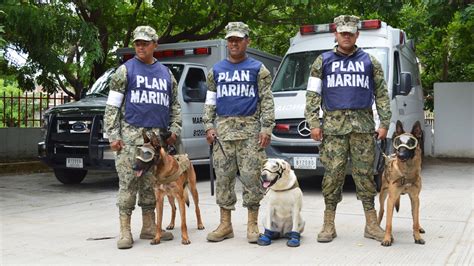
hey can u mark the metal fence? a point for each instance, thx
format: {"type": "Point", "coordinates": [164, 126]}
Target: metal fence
{"type": "Point", "coordinates": [27, 109]}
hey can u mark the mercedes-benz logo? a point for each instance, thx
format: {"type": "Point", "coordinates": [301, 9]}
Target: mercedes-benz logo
{"type": "Point", "coordinates": [303, 129]}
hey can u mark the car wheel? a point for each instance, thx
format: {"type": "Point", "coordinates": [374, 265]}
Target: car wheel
{"type": "Point", "coordinates": [70, 176]}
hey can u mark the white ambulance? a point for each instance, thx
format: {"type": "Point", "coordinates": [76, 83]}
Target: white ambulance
{"type": "Point", "coordinates": [291, 137]}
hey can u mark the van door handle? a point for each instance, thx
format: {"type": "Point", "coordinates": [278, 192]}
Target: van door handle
{"type": "Point", "coordinates": [404, 104]}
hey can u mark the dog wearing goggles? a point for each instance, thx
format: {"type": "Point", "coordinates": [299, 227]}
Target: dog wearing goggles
{"type": "Point", "coordinates": [285, 200]}
{"type": "Point", "coordinates": [402, 176]}
{"type": "Point", "coordinates": [171, 176]}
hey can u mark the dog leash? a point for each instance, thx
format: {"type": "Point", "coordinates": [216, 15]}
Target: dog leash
{"type": "Point", "coordinates": [385, 156]}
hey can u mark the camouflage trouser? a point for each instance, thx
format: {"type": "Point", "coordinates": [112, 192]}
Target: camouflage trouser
{"type": "Point", "coordinates": [334, 154]}
{"type": "Point", "coordinates": [130, 185]}
{"type": "Point", "coordinates": [247, 157]}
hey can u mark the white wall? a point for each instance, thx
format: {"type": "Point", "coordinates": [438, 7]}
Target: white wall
{"type": "Point", "coordinates": [19, 143]}
{"type": "Point", "coordinates": [454, 122]}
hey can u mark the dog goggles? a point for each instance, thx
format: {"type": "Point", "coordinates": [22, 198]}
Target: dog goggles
{"type": "Point", "coordinates": [145, 154]}
{"type": "Point", "coordinates": [405, 140]}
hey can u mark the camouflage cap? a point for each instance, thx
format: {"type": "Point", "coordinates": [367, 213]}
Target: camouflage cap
{"type": "Point", "coordinates": [145, 33]}
{"type": "Point", "coordinates": [237, 29]}
{"type": "Point", "coordinates": [346, 23]}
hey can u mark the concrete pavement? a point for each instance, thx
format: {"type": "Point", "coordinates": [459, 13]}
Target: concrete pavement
{"type": "Point", "coordinates": [45, 222]}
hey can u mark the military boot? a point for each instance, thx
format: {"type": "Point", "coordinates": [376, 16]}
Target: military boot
{"type": "Point", "coordinates": [125, 239]}
{"type": "Point", "coordinates": [328, 233]}
{"type": "Point", "coordinates": [372, 228]}
{"type": "Point", "coordinates": [149, 227]}
{"type": "Point", "coordinates": [252, 227]}
{"type": "Point", "coordinates": [224, 230]}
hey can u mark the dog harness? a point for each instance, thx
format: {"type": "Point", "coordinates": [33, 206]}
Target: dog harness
{"type": "Point", "coordinates": [183, 164]}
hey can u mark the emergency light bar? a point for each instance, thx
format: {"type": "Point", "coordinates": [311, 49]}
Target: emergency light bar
{"type": "Point", "coordinates": [331, 27]}
{"type": "Point", "coordinates": [174, 53]}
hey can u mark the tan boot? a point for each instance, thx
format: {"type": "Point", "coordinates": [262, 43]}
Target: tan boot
{"type": "Point", "coordinates": [328, 233]}
{"type": "Point", "coordinates": [372, 228]}
{"type": "Point", "coordinates": [252, 227]}
{"type": "Point", "coordinates": [125, 239]}
{"type": "Point", "coordinates": [149, 227]}
{"type": "Point", "coordinates": [224, 230]}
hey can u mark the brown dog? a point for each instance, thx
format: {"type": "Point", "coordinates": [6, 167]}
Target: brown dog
{"type": "Point", "coordinates": [402, 175]}
{"type": "Point", "coordinates": [171, 176]}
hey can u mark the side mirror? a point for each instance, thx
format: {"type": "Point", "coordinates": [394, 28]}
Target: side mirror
{"type": "Point", "coordinates": [404, 87]}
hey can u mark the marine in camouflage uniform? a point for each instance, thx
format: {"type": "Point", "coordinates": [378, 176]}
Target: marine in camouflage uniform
{"type": "Point", "coordinates": [125, 136]}
{"type": "Point", "coordinates": [348, 124]}
{"type": "Point", "coordinates": [243, 120]}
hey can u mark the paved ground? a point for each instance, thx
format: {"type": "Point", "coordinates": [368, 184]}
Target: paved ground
{"type": "Point", "coordinates": [45, 222]}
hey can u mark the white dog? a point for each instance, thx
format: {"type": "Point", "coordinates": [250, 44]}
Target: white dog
{"type": "Point", "coordinates": [285, 200]}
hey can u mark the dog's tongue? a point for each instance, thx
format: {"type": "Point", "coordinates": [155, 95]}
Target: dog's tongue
{"type": "Point", "coordinates": [266, 184]}
{"type": "Point", "coordinates": [138, 173]}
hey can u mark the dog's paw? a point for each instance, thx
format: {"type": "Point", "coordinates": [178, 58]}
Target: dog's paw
{"type": "Point", "coordinates": [422, 231]}
{"type": "Point", "coordinates": [155, 241]}
{"type": "Point", "coordinates": [185, 242]}
{"type": "Point", "coordinates": [200, 227]}
{"type": "Point", "coordinates": [420, 241]}
{"type": "Point", "coordinates": [386, 243]}
{"type": "Point", "coordinates": [170, 227]}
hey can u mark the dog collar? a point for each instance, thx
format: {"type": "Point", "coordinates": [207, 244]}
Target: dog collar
{"type": "Point", "coordinates": [295, 185]}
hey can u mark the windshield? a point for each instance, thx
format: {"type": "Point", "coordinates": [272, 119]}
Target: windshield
{"type": "Point", "coordinates": [294, 71]}
{"type": "Point", "coordinates": [101, 86]}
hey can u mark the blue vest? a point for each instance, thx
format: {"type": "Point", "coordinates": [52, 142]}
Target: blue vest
{"type": "Point", "coordinates": [148, 97]}
{"type": "Point", "coordinates": [237, 87]}
{"type": "Point", "coordinates": [348, 81]}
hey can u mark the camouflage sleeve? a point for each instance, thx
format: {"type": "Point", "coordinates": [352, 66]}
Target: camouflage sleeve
{"type": "Point", "coordinates": [382, 101]}
{"type": "Point", "coordinates": [113, 114]}
{"type": "Point", "coordinates": [209, 113]}
{"type": "Point", "coordinates": [267, 106]}
{"type": "Point", "coordinates": [175, 109]}
{"type": "Point", "coordinates": [313, 99]}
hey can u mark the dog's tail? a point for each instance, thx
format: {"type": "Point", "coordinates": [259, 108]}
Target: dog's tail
{"type": "Point", "coordinates": [185, 193]}
{"type": "Point", "coordinates": [397, 204]}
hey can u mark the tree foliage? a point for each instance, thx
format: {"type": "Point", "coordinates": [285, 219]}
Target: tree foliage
{"type": "Point", "coordinates": [70, 43]}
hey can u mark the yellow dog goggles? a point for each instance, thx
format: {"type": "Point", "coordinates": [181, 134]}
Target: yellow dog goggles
{"type": "Point", "coordinates": [145, 153]}
{"type": "Point", "coordinates": [405, 140]}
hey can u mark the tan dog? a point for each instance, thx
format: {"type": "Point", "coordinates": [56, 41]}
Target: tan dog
{"type": "Point", "coordinates": [402, 175]}
{"type": "Point", "coordinates": [171, 176]}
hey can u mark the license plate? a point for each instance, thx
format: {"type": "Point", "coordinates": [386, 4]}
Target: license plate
{"type": "Point", "coordinates": [305, 163]}
{"type": "Point", "coordinates": [74, 163]}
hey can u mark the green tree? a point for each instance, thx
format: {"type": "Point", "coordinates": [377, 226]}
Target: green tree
{"type": "Point", "coordinates": [70, 43]}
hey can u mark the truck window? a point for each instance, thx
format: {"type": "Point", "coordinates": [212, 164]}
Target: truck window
{"type": "Point", "coordinates": [294, 71]}
{"type": "Point", "coordinates": [396, 70]}
{"type": "Point", "coordinates": [381, 54]}
{"type": "Point", "coordinates": [195, 87]}
{"type": "Point", "coordinates": [176, 69]}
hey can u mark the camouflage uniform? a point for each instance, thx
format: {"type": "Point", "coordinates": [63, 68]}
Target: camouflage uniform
{"type": "Point", "coordinates": [239, 137]}
{"type": "Point", "coordinates": [118, 129]}
{"type": "Point", "coordinates": [348, 132]}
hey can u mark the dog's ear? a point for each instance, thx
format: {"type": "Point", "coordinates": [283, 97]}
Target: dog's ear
{"type": "Point", "coordinates": [398, 129]}
{"type": "Point", "coordinates": [145, 136]}
{"type": "Point", "coordinates": [155, 141]}
{"type": "Point", "coordinates": [416, 130]}
{"type": "Point", "coordinates": [283, 165]}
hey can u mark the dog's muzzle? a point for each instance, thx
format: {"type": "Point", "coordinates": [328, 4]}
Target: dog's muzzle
{"type": "Point", "coordinates": [405, 154]}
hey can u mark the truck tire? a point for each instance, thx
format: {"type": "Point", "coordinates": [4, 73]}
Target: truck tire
{"type": "Point", "coordinates": [70, 176]}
